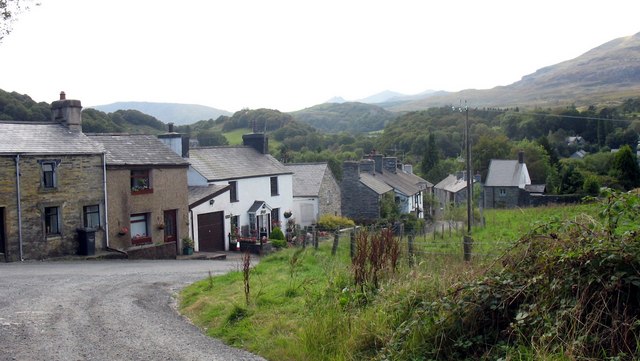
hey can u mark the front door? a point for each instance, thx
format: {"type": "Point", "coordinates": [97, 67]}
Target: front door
{"type": "Point", "coordinates": [170, 228]}
{"type": "Point", "coordinates": [2, 236]}
{"type": "Point", "coordinates": [211, 232]}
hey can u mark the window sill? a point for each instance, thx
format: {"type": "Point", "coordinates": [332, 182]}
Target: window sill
{"type": "Point", "coordinates": [142, 191]}
{"type": "Point", "coordinates": [140, 240]}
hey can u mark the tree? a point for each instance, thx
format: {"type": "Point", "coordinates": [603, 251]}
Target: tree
{"type": "Point", "coordinates": [625, 168]}
{"type": "Point", "coordinates": [487, 148]}
{"type": "Point", "coordinates": [9, 10]}
{"type": "Point", "coordinates": [431, 155]}
{"type": "Point", "coordinates": [210, 137]}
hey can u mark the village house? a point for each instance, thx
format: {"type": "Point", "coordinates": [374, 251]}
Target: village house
{"type": "Point", "coordinates": [361, 192]}
{"type": "Point", "coordinates": [260, 188]}
{"type": "Point", "coordinates": [451, 191]}
{"type": "Point", "coordinates": [506, 184]}
{"type": "Point", "coordinates": [52, 195]}
{"type": "Point", "coordinates": [315, 192]}
{"type": "Point", "coordinates": [147, 192]}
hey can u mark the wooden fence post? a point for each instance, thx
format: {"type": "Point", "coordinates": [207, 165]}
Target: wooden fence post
{"type": "Point", "coordinates": [334, 249]}
{"type": "Point", "coordinates": [410, 241]}
{"type": "Point", "coordinates": [315, 237]}
{"type": "Point", "coordinates": [467, 244]}
{"type": "Point", "coordinates": [352, 243]}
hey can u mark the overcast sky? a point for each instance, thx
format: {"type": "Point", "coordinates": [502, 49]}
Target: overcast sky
{"type": "Point", "coordinates": [289, 55]}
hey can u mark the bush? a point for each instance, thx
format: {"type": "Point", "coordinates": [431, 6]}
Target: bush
{"type": "Point", "coordinates": [278, 243]}
{"type": "Point", "coordinates": [276, 233]}
{"type": "Point", "coordinates": [331, 222]}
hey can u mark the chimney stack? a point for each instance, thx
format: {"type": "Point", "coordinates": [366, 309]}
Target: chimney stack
{"type": "Point", "coordinates": [521, 157]}
{"type": "Point", "coordinates": [257, 141]}
{"type": "Point", "coordinates": [390, 164]}
{"type": "Point", "coordinates": [67, 112]}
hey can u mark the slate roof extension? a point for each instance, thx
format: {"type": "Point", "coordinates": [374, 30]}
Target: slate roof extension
{"type": "Point", "coordinates": [43, 138]}
{"type": "Point", "coordinates": [137, 149]}
{"type": "Point", "coordinates": [234, 162]}
{"type": "Point", "coordinates": [307, 178]}
{"type": "Point", "coordinates": [375, 184]}
{"type": "Point", "coordinates": [202, 194]}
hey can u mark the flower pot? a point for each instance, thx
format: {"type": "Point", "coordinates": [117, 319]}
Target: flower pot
{"type": "Point", "coordinates": [187, 251]}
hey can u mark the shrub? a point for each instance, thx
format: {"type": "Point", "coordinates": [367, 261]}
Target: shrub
{"type": "Point", "coordinates": [331, 222]}
{"type": "Point", "coordinates": [276, 233]}
{"type": "Point", "coordinates": [278, 243]}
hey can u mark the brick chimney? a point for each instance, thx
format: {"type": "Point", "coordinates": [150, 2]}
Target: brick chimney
{"type": "Point", "coordinates": [367, 166]}
{"type": "Point", "coordinates": [67, 112]}
{"type": "Point", "coordinates": [258, 141]}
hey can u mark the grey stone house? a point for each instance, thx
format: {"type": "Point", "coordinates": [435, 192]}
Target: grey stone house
{"type": "Point", "coordinates": [451, 191]}
{"type": "Point", "coordinates": [506, 184]}
{"type": "Point", "coordinates": [52, 180]}
{"type": "Point", "coordinates": [361, 191]}
{"type": "Point", "coordinates": [316, 192]}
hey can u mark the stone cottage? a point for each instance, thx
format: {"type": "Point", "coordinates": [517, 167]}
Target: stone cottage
{"type": "Point", "coordinates": [316, 192]}
{"type": "Point", "coordinates": [361, 191]}
{"type": "Point", "coordinates": [52, 180]}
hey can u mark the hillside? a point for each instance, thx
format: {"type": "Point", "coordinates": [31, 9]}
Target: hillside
{"type": "Point", "coordinates": [604, 75]}
{"type": "Point", "coordinates": [179, 114]}
{"type": "Point", "coordinates": [351, 117]}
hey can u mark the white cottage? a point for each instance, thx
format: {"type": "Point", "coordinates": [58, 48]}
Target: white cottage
{"type": "Point", "coordinates": [260, 188]}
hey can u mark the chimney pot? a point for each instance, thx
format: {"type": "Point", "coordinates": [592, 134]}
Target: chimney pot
{"type": "Point", "coordinates": [170, 127]}
{"type": "Point", "coordinates": [63, 96]}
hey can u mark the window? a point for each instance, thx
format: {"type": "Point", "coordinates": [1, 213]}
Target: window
{"type": "Point", "coordinates": [274, 186]}
{"type": "Point", "coordinates": [503, 192]}
{"type": "Point", "coordinates": [91, 216]}
{"type": "Point", "coordinates": [275, 218]}
{"type": "Point", "coordinates": [49, 174]}
{"type": "Point", "coordinates": [52, 220]}
{"type": "Point", "coordinates": [141, 181]}
{"type": "Point", "coordinates": [139, 228]}
{"type": "Point", "coordinates": [233, 191]}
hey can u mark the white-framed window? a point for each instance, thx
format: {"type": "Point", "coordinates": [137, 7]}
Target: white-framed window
{"type": "Point", "coordinates": [502, 192]}
{"type": "Point", "coordinates": [141, 181]}
{"type": "Point", "coordinates": [274, 186]}
{"type": "Point", "coordinates": [91, 216]}
{"type": "Point", "coordinates": [49, 176]}
{"type": "Point", "coordinates": [140, 228]}
{"type": "Point", "coordinates": [52, 220]}
{"type": "Point", "coordinates": [233, 191]}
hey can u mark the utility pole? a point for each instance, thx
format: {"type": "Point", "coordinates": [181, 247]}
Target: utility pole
{"type": "Point", "coordinates": [467, 140]}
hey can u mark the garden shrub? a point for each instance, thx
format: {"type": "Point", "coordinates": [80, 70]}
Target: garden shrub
{"type": "Point", "coordinates": [331, 222]}
{"type": "Point", "coordinates": [276, 233]}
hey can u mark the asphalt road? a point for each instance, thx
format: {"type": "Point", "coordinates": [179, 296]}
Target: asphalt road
{"type": "Point", "coordinates": [104, 310]}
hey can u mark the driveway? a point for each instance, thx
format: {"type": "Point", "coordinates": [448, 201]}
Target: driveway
{"type": "Point", "coordinates": [104, 310]}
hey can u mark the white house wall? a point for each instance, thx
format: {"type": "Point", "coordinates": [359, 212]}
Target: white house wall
{"type": "Point", "coordinates": [220, 204]}
{"type": "Point", "coordinates": [305, 204]}
{"type": "Point", "coordinates": [250, 190]}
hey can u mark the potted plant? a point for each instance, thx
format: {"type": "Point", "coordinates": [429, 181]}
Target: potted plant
{"type": "Point", "coordinates": [123, 231]}
{"type": "Point", "coordinates": [287, 214]}
{"type": "Point", "coordinates": [187, 246]}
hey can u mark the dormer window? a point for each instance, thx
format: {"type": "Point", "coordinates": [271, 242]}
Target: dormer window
{"type": "Point", "coordinates": [141, 181]}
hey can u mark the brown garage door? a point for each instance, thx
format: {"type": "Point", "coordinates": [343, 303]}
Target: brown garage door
{"type": "Point", "coordinates": [211, 232]}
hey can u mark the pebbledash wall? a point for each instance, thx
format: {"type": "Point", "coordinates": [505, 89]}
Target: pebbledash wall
{"type": "Point", "coordinates": [79, 184]}
{"type": "Point", "coordinates": [170, 192]}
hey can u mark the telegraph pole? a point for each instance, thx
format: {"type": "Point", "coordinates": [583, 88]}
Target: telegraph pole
{"type": "Point", "coordinates": [467, 140]}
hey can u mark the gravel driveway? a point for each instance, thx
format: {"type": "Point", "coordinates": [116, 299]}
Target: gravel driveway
{"type": "Point", "coordinates": [104, 310]}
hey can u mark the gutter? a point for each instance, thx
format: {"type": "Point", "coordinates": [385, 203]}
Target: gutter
{"type": "Point", "coordinates": [19, 205]}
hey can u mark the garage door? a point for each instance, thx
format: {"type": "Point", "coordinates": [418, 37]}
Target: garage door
{"type": "Point", "coordinates": [211, 232]}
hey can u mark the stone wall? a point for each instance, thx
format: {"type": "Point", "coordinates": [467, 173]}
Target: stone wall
{"type": "Point", "coordinates": [359, 202]}
{"type": "Point", "coordinates": [329, 198]}
{"type": "Point", "coordinates": [170, 192]}
{"type": "Point", "coordinates": [79, 183]}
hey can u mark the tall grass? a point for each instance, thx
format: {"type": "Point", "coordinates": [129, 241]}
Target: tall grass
{"type": "Point", "coordinates": [306, 304]}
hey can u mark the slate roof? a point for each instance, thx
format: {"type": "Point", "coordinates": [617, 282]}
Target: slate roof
{"type": "Point", "coordinates": [401, 184]}
{"type": "Point", "coordinates": [202, 194]}
{"type": "Point", "coordinates": [307, 178]}
{"type": "Point", "coordinates": [224, 163]}
{"type": "Point", "coordinates": [507, 173]}
{"type": "Point", "coordinates": [375, 184]}
{"type": "Point", "coordinates": [44, 138]}
{"type": "Point", "coordinates": [452, 184]}
{"type": "Point", "coordinates": [137, 149]}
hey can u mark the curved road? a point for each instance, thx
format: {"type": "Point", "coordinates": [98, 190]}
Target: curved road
{"type": "Point", "coordinates": [104, 310]}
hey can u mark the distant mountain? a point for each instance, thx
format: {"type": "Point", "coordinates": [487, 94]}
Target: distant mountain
{"type": "Point", "coordinates": [179, 114]}
{"type": "Point", "coordinates": [336, 100]}
{"type": "Point", "coordinates": [389, 96]}
{"type": "Point", "coordinates": [604, 75]}
{"type": "Point", "coordinates": [352, 117]}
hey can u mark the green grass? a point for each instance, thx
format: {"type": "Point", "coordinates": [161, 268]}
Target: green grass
{"type": "Point", "coordinates": [304, 306]}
